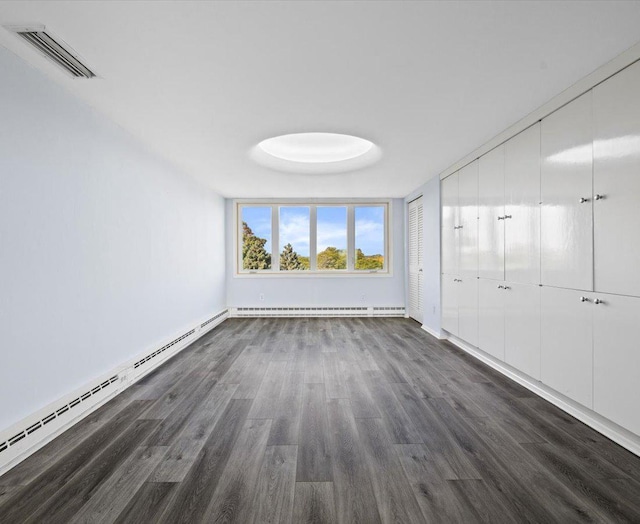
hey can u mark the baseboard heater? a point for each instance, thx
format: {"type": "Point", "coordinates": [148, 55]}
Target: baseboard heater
{"type": "Point", "coordinates": [35, 431]}
{"type": "Point", "coordinates": [337, 311]}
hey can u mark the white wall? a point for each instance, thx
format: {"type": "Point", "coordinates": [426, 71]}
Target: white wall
{"type": "Point", "coordinates": [430, 192]}
{"type": "Point", "coordinates": [319, 291]}
{"type": "Point", "coordinates": [105, 250]}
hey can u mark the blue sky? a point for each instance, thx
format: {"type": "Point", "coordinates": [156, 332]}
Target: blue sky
{"type": "Point", "coordinates": [332, 227]}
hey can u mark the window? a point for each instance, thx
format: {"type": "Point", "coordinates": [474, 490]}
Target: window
{"type": "Point", "coordinates": [294, 238]}
{"type": "Point", "coordinates": [321, 238]}
{"type": "Point", "coordinates": [331, 238]}
{"type": "Point", "coordinates": [256, 238]}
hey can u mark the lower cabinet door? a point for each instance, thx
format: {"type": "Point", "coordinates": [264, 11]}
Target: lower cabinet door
{"type": "Point", "coordinates": [450, 287]}
{"type": "Point", "coordinates": [491, 297]}
{"type": "Point", "coordinates": [616, 359]}
{"type": "Point", "coordinates": [567, 343]}
{"type": "Point", "coordinates": [522, 327]}
{"type": "Point", "coordinates": [468, 310]}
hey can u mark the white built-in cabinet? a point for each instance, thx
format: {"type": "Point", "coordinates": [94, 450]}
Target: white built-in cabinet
{"type": "Point", "coordinates": [616, 359]}
{"type": "Point", "coordinates": [522, 327]}
{"type": "Point", "coordinates": [460, 253]}
{"type": "Point", "coordinates": [567, 196]}
{"type": "Point", "coordinates": [616, 183]}
{"type": "Point", "coordinates": [522, 207]}
{"type": "Point", "coordinates": [567, 343]}
{"type": "Point", "coordinates": [491, 214]}
{"type": "Point", "coordinates": [491, 317]}
{"type": "Point", "coordinates": [450, 220]}
{"type": "Point", "coordinates": [509, 323]}
{"type": "Point", "coordinates": [547, 276]}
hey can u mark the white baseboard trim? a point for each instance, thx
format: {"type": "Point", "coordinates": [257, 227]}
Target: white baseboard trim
{"type": "Point", "coordinates": [317, 311]}
{"type": "Point", "coordinates": [27, 436]}
{"type": "Point", "coordinates": [433, 332]}
{"type": "Point", "coordinates": [609, 429]}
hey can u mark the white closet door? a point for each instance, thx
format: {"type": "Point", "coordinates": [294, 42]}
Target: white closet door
{"type": "Point", "coordinates": [468, 310]}
{"type": "Point", "coordinates": [616, 360]}
{"type": "Point", "coordinates": [567, 343]}
{"type": "Point", "coordinates": [450, 222]}
{"type": "Point", "coordinates": [616, 179]}
{"type": "Point", "coordinates": [522, 327]}
{"type": "Point", "coordinates": [522, 207]}
{"type": "Point", "coordinates": [491, 297]}
{"type": "Point", "coordinates": [468, 218]}
{"type": "Point", "coordinates": [567, 203]}
{"type": "Point", "coordinates": [415, 259]}
{"type": "Point", "coordinates": [491, 214]}
{"type": "Point", "coordinates": [450, 286]}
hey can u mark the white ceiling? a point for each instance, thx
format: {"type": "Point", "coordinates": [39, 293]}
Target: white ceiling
{"type": "Point", "coordinates": [202, 82]}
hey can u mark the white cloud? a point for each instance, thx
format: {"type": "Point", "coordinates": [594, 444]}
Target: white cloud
{"type": "Point", "coordinates": [294, 230]}
{"type": "Point", "coordinates": [370, 236]}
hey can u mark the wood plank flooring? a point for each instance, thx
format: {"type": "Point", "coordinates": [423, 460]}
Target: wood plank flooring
{"type": "Point", "coordinates": [325, 420]}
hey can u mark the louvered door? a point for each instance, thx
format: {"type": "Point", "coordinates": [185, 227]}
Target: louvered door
{"type": "Point", "coordinates": [415, 259]}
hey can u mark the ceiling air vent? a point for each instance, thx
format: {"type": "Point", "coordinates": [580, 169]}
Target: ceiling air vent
{"type": "Point", "coordinates": [54, 50]}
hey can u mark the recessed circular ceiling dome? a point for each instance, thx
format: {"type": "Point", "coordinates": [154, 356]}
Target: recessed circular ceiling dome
{"type": "Point", "coordinates": [315, 147]}
{"type": "Point", "coordinates": [315, 153]}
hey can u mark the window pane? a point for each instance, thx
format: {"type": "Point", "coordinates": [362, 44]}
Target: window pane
{"type": "Point", "coordinates": [256, 237]}
{"type": "Point", "coordinates": [369, 237]}
{"type": "Point", "coordinates": [332, 238]}
{"type": "Point", "coordinates": [294, 238]}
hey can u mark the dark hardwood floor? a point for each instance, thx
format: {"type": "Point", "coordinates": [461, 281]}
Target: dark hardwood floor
{"type": "Point", "coordinates": [325, 420]}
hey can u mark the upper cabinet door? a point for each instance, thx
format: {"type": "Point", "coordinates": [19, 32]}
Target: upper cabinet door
{"type": "Point", "coordinates": [468, 227]}
{"type": "Point", "coordinates": [491, 214]}
{"type": "Point", "coordinates": [616, 183]}
{"type": "Point", "coordinates": [522, 207]}
{"type": "Point", "coordinates": [450, 223]}
{"type": "Point", "coordinates": [567, 204]}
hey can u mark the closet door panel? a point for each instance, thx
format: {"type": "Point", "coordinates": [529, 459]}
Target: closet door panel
{"type": "Point", "coordinates": [450, 304]}
{"type": "Point", "coordinates": [567, 203]}
{"type": "Point", "coordinates": [522, 207]}
{"type": "Point", "coordinates": [491, 317]}
{"type": "Point", "coordinates": [616, 360]}
{"type": "Point", "coordinates": [567, 343]}
{"type": "Point", "coordinates": [616, 179]}
{"type": "Point", "coordinates": [468, 310]}
{"type": "Point", "coordinates": [522, 327]}
{"type": "Point", "coordinates": [450, 222]}
{"type": "Point", "coordinates": [491, 214]}
{"type": "Point", "coordinates": [468, 227]}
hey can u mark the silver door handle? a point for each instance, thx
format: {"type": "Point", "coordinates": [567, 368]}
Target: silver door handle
{"type": "Point", "coordinates": [507, 216]}
{"type": "Point", "coordinates": [500, 287]}
{"type": "Point", "coordinates": [420, 270]}
{"type": "Point", "coordinates": [584, 299]}
{"type": "Point", "coordinates": [598, 301]}
{"type": "Point", "coordinates": [599, 197]}
{"type": "Point", "coordinates": [583, 200]}
{"type": "Point", "coordinates": [506, 288]}
{"type": "Point", "coordinates": [500, 218]}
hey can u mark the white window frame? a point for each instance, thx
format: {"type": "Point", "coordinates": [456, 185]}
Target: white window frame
{"type": "Point", "coordinates": [312, 204]}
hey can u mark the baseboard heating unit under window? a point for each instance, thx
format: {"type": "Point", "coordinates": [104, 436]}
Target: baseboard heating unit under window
{"type": "Point", "coordinates": [358, 311]}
